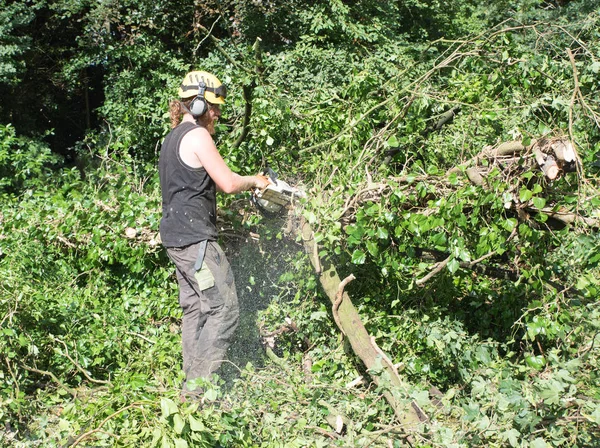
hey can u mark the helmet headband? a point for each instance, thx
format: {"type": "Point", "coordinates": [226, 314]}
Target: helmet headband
{"type": "Point", "coordinates": [219, 92]}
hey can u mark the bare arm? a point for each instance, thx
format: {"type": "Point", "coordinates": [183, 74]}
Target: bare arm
{"type": "Point", "coordinates": [199, 143]}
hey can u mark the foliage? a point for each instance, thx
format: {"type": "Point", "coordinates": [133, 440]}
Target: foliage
{"type": "Point", "coordinates": [464, 287]}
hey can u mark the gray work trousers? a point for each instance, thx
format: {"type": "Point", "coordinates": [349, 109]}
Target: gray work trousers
{"type": "Point", "coordinates": [210, 317]}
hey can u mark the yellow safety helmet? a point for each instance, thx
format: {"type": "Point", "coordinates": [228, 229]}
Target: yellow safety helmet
{"type": "Point", "coordinates": [215, 91]}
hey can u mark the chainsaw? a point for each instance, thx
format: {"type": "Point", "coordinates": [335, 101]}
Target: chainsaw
{"type": "Point", "coordinates": [277, 195]}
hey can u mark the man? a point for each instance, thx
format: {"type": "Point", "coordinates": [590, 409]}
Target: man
{"type": "Point", "coordinates": [191, 172]}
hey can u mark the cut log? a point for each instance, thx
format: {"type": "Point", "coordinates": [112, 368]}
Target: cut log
{"type": "Point", "coordinates": [382, 374]}
{"type": "Point", "coordinates": [540, 157]}
{"type": "Point", "coordinates": [564, 151]}
{"type": "Point", "coordinates": [568, 217]}
{"type": "Point", "coordinates": [550, 168]}
{"type": "Point", "coordinates": [474, 176]}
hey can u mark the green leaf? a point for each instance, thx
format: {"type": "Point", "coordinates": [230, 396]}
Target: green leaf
{"type": "Point", "coordinates": [552, 393]}
{"type": "Point", "coordinates": [539, 203]}
{"type": "Point", "coordinates": [537, 362]}
{"type": "Point", "coordinates": [168, 407]}
{"type": "Point", "coordinates": [512, 435]}
{"type": "Point", "coordinates": [382, 233]}
{"type": "Point", "coordinates": [211, 394]}
{"type": "Point", "coordinates": [180, 443]}
{"type": "Point", "coordinates": [195, 424]}
{"type": "Point", "coordinates": [594, 416]}
{"type": "Point", "coordinates": [358, 257]}
{"type": "Point", "coordinates": [453, 265]}
{"type": "Point", "coordinates": [393, 141]}
{"type": "Point", "coordinates": [538, 443]}
{"type": "Point", "coordinates": [373, 248]}
{"type": "Point", "coordinates": [510, 224]}
{"type": "Point", "coordinates": [178, 423]}
{"type": "Point", "coordinates": [525, 194]}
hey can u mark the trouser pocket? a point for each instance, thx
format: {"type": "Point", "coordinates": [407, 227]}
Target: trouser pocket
{"type": "Point", "coordinates": [204, 277]}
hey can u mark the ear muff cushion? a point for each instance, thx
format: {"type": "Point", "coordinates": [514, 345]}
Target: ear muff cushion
{"type": "Point", "coordinates": [198, 107]}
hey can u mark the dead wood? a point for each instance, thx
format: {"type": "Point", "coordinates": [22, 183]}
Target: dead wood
{"type": "Point", "coordinates": [553, 156]}
{"type": "Point", "coordinates": [382, 373]}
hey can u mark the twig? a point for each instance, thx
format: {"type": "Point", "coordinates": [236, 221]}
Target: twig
{"type": "Point", "coordinates": [324, 432]}
{"type": "Point", "coordinates": [576, 93]}
{"type": "Point", "coordinates": [54, 377]}
{"type": "Point", "coordinates": [99, 428]}
{"type": "Point", "coordinates": [384, 357]}
{"type": "Point", "coordinates": [338, 301]}
{"type": "Point", "coordinates": [436, 270]}
{"type": "Point", "coordinates": [485, 257]}
{"type": "Point", "coordinates": [12, 374]}
{"type": "Point", "coordinates": [207, 36]}
{"type": "Point", "coordinates": [81, 369]}
{"type": "Point", "coordinates": [141, 336]}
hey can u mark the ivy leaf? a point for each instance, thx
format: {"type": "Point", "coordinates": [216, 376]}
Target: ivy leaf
{"type": "Point", "coordinates": [373, 248]}
{"type": "Point", "coordinates": [393, 141]}
{"type": "Point", "coordinates": [537, 362]}
{"type": "Point", "coordinates": [358, 257]}
{"type": "Point", "coordinates": [510, 224]}
{"type": "Point", "coordinates": [539, 203]}
{"type": "Point", "coordinates": [453, 265]}
{"type": "Point", "coordinates": [211, 394]}
{"type": "Point", "coordinates": [595, 416]}
{"type": "Point", "coordinates": [382, 233]}
{"type": "Point", "coordinates": [525, 194]}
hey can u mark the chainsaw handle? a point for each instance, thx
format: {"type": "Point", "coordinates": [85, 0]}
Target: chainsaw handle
{"type": "Point", "coordinates": [271, 174]}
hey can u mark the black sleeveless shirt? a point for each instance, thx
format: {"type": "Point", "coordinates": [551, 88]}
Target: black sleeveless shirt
{"type": "Point", "coordinates": [189, 204]}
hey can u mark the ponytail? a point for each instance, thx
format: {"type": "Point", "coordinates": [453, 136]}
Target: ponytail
{"type": "Point", "coordinates": [175, 113]}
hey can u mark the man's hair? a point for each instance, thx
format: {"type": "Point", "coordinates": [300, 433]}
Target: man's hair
{"type": "Point", "coordinates": [178, 107]}
{"type": "Point", "coordinates": [176, 110]}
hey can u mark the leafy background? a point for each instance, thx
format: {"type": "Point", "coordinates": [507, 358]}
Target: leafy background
{"type": "Point", "coordinates": [344, 96]}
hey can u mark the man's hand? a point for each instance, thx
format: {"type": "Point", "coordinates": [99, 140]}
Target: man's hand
{"type": "Point", "coordinates": [261, 181]}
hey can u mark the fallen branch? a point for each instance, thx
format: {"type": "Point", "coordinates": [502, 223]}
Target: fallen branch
{"type": "Point", "coordinates": [436, 270]}
{"type": "Point", "coordinates": [338, 300]}
{"type": "Point", "coordinates": [73, 392]}
{"type": "Point", "coordinates": [382, 375]}
{"type": "Point", "coordinates": [566, 217]}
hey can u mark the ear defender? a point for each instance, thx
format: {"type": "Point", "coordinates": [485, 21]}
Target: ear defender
{"type": "Point", "coordinates": [198, 106]}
